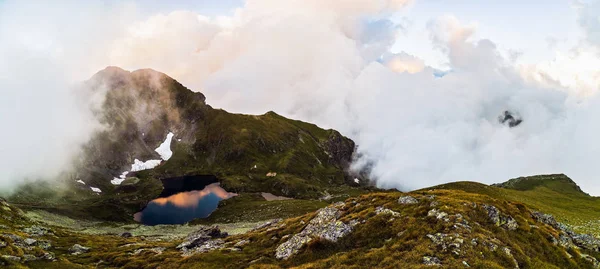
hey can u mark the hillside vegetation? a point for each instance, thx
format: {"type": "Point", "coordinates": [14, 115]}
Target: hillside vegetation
{"type": "Point", "coordinates": [553, 194]}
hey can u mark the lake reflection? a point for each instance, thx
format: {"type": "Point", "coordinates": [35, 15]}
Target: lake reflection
{"type": "Point", "coordinates": [183, 207]}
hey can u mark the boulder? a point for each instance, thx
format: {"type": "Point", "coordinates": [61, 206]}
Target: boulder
{"type": "Point", "coordinates": [499, 219]}
{"type": "Point", "coordinates": [78, 249]}
{"type": "Point", "coordinates": [382, 210]}
{"type": "Point", "coordinates": [325, 225]}
{"type": "Point", "coordinates": [407, 200]}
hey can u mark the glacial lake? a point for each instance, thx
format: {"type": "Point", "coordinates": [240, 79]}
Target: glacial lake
{"type": "Point", "coordinates": [183, 207]}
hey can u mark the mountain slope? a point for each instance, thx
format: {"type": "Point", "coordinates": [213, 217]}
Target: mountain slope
{"type": "Point", "coordinates": [140, 110]}
{"type": "Point", "coordinates": [554, 194]}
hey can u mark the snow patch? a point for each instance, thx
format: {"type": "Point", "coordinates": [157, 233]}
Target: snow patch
{"type": "Point", "coordinates": [81, 181]}
{"type": "Point", "coordinates": [164, 150]}
{"type": "Point", "coordinates": [139, 165]}
{"type": "Point", "coordinates": [117, 181]}
{"type": "Point", "coordinates": [96, 190]}
{"type": "Point", "coordinates": [356, 180]}
{"type": "Point", "coordinates": [120, 179]}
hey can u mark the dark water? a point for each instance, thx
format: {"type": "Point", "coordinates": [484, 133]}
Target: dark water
{"type": "Point", "coordinates": [184, 206]}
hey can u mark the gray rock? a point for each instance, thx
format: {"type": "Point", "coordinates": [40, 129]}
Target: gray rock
{"type": "Point", "coordinates": [36, 230]}
{"type": "Point", "coordinates": [49, 256]}
{"type": "Point", "coordinates": [446, 241]}
{"type": "Point", "coordinates": [200, 236]}
{"type": "Point", "coordinates": [438, 214]}
{"type": "Point", "coordinates": [78, 249]}
{"type": "Point", "coordinates": [207, 246]}
{"type": "Point", "coordinates": [407, 200]}
{"type": "Point", "coordinates": [499, 219]}
{"type": "Point", "coordinates": [325, 225]}
{"type": "Point", "coordinates": [30, 241]}
{"type": "Point", "coordinates": [382, 210]}
{"type": "Point", "coordinates": [586, 241]}
{"type": "Point", "coordinates": [432, 261]}
{"type": "Point", "coordinates": [466, 264]}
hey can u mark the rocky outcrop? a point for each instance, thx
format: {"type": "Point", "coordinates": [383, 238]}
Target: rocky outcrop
{"type": "Point", "coordinates": [78, 249]}
{"type": "Point", "coordinates": [339, 148]}
{"type": "Point", "coordinates": [567, 237]}
{"type": "Point", "coordinates": [382, 210]}
{"type": "Point", "coordinates": [325, 225]}
{"type": "Point", "coordinates": [203, 240]}
{"type": "Point", "coordinates": [407, 200]}
{"type": "Point", "coordinates": [499, 219]}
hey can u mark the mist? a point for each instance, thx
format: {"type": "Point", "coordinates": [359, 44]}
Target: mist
{"type": "Point", "coordinates": [327, 62]}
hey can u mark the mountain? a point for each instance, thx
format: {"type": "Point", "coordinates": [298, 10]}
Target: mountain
{"type": "Point", "coordinates": [143, 110]}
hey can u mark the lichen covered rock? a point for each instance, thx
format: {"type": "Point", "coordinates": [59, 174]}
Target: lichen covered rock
{"type": "Point", "coordinates": [325, 225]}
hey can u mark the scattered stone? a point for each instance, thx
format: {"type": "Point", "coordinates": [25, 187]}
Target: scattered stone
{"type": "Point", "coordinates": [466, 264]}
{"type": "Point", "coordinates": [382, 210]}
{"type": "Point", "coordinates": [504, 221]}
{"type": "Point", "coordinates": [200, 236]}
{"type": "Point", "coordinates": [438, 214]}
{"type": "Point", "coordinates": [37, 230]}
{"type": "Point", "coordinates": [48, 256]}
{"type": "Point", "coordinates": [325, 225]}
{"type": "Point", "coordinates": [203, 240]}
{"type": "Point", "coordinates": [491, 246]}
{"type": "Point", "coordinates": [432, 261]}
{"type": "Point", "coordinates": [3, 244]}
{"type": "Point", "coordinates": [446, 241]}
{"type": "Point", "coordinates": [207, 246]}
{"type": "Point", "coordinates": [78, 249]}
{"type": "Point", "coordinates": [407, 200]}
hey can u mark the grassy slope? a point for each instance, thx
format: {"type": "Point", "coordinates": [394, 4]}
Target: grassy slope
{"type": "Point", "coordinates": [381, 241]}
{"type": "Point", "coordinates": [553, 194]}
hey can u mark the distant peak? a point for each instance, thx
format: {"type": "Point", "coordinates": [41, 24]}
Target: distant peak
{"type": "Point", "coordinates": [556, 182]}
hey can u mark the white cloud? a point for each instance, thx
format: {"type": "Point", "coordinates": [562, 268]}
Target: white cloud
{"type": "Point", "coordinates": [403, 62]}
{"type": "Point", "coordinates": [320, 61]}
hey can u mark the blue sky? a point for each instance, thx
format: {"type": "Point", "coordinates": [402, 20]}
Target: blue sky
{"type": "Point", "coordinates": [524, 26]}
